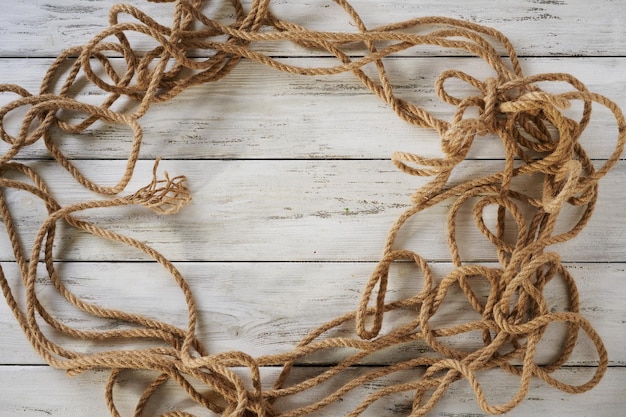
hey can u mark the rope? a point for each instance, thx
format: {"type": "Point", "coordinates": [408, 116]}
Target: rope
{"type": "Point", "coordinates": [539, 142]}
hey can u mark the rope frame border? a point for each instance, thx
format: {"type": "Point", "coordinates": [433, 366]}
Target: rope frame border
{"type": "Point", "coordinates": [570, 178]}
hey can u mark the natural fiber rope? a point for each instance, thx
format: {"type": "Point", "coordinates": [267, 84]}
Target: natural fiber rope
{"type": "Point", "coordinates": [538, 139]}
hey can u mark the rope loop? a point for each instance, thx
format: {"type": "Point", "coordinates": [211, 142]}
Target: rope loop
{"type": "Point", "coordinates": [515, 210]}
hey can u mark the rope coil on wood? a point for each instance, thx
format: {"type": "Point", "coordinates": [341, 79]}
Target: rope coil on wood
{"type": "Point", "coordinates": [539, 141]}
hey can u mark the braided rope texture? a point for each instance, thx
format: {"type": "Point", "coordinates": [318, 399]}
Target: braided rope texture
{"type": "Point", "coordinates": [539, 142]}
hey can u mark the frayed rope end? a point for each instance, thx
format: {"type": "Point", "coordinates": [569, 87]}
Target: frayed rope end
{"type": "Point", "coordinates": [163, 196]}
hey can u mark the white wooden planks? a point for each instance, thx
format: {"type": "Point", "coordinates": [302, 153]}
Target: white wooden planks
{"type": "Point", "coordinates": [286, 168]}
{"type": "Point", "coordinates": [294, 210]}
{"type": "Point", "coordinates": [82, 396]}
{"type": "Point", "coordinates": [536, 27]}
{"type": "Point", "coordinates": [262, 308]}
{"type": "Point", "coordinates": [259, 113]}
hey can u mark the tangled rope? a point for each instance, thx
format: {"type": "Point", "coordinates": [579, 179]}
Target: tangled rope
{"type": "Point", "coordinates": [539, 142]}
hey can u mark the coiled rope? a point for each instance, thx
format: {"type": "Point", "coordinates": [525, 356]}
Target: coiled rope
{"type": "Point", "coordinates": [538, 140]}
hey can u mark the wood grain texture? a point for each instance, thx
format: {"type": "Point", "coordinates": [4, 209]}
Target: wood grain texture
{"type": "Point", "coordinates": [295, 210]}
{"type": "Point", "coordinates": [294, 193]}
{"type": "Point", "coordinates": [259, 113]}
{"type": "Point", "coordinates": [262, 308]}
{"type": "Point", "coordinates": [82, 396]}
{"type": "Point", "coordinates": [536, 27]}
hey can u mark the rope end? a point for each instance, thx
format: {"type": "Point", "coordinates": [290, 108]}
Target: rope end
{"type": "Point", "coordinates": [163, 196]}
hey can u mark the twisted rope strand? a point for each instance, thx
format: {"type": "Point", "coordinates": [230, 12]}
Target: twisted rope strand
{"type": "Point", "coordinates": [538, 140]}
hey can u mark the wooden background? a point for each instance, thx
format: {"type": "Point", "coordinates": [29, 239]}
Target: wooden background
{"type": "Point", "coordinates": [294, 193]}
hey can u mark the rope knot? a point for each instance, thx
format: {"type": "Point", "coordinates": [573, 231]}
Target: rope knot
{"type": "Point", "coordinates": [490, 107]}
{"type": "Point", "coordinates": [457, 139]}
{"type": "Point", "coordinates": [559, 188]}
{"type": "Point", "coordinates": [535, 101]}
{"type": "Point", "coordinates": [491, 94]}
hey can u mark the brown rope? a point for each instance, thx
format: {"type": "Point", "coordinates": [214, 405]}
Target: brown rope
{"type": "Point", "coordinates": [538, 139]}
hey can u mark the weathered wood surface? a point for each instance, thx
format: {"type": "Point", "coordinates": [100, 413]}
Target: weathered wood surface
{"type": "Point", "coordinates": [536, 27]}
{"type": "Point", "coordinates": [293, 210]}
{"type": "Point", "coordinates": [258, 113]}
{"type": "Point", "coordinates": [294, 193]}
{"type": "Point", "coordinates": [82, 396]}
{"type": "Point", "coordinates": [267, 307]}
